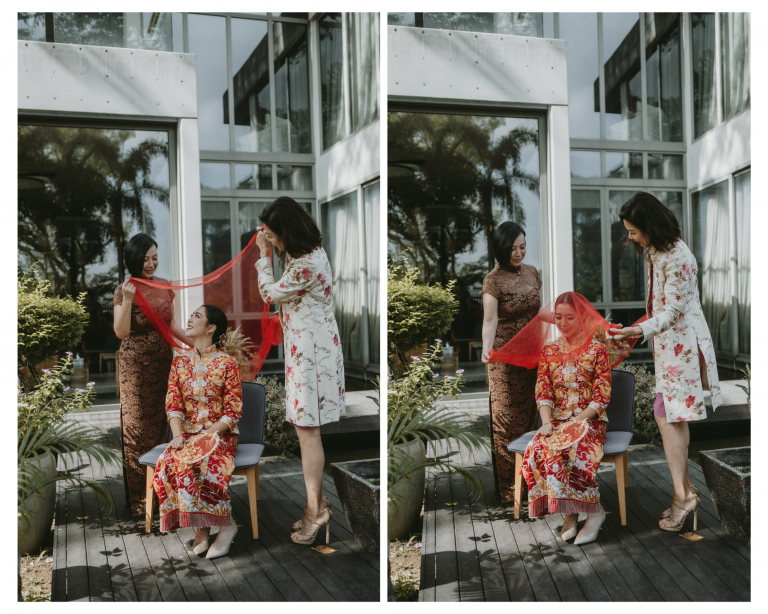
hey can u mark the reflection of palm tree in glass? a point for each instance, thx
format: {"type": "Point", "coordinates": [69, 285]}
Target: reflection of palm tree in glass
{"type": "Point", "coordinates": [95, 192]}
{"type": "Point", "coordinates": [470, 171]}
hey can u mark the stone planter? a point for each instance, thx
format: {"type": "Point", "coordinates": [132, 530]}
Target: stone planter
{"type": "Point", "coordinates": [360, 499]}
{"type": "Point", "coordinates": [730, 488]}
{"type": "Point", "coordinates": [38, 510]}
{"type": "Point", "coordinates": [411, 494]}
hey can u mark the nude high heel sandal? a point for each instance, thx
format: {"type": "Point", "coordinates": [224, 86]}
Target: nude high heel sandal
{"type": "Point", "coordinates": [296, 526]}
{"type": "Point", "coordinates": [307, 536]}
{"type": "Point", "coordinates": [694, 489]}
{"type": "Point", "coordinates": [674, 516]}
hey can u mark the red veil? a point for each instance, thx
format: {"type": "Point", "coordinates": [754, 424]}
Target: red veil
{"type": "Point", "coordinates": [525, 349]}
{"type": "Point", "coordinates": [234, 288]}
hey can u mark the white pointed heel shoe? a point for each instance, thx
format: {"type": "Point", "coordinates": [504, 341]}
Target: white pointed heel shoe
{"type": "Point", "coordinates": [570, 533]}
{"type": "Point", "coordinates": [584, 537]}
{"type": "Point", "coordinates": [215, 551]}
{"type": "Point", "coordinates": [201, 545]}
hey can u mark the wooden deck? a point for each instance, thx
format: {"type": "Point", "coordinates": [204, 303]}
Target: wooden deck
{"type": "Point", "coordinates": [476, 551]}
{"type": "Point", "coordinates": [108, 557]}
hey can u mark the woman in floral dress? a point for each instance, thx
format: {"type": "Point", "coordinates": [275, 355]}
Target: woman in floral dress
{"type": "Point", "coordinates": [511, 298]}
{"type": "Point", "coordinates": [683, 352]}
{"type": "Point", "coordinates": [204, 396]}
{"type": "Point", "coordinates": [314, 365]}
{"type": "Point", "coordinates": [574, 387]}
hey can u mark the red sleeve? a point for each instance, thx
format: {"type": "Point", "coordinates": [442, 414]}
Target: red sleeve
{"type": "Point", "coordinates": [174, 404]}
{"type": "Point", "coordinates": [233, 395]}
{"type": "Point", "coordinates": [601, 385]}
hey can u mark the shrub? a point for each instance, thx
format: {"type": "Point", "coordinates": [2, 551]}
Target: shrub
{"type": "Point", "coordinates": [276, 432]}
{"type": "Point", "coordinates": [47, 324]}
{"type": "Point", "coordinates": [416, 312]}
{"type": "Point", "coordinates": [643, 422]}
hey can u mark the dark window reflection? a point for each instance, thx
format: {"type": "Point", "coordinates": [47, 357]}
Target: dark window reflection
{"type": "Point", "coordinates": [519, 24]}
{"type": "Point", "coordinates": [132, 30]}
{"type": "Point", "coordinates": [665, 166]}
{"type": "Point", "coordinates": [253, 176]}
{"type": "Point", "coordinates": [624, 165]}
{"type": "Point", "coordinates": [627, 268]}
{"type": "Point", "coordinates": [82, 193]}
{"type": "Point", "coordinates": [662, 68]}
{"type": "Point", "coordinates": [703, 62]}
{"type": "Point", "coordinates": [331, 75]}
{"type": "Point", "coordinates": [291, 88]}
{"type": "Point", "coordinates": [587, 235]}
{"type": "Point", "coordinates": [623, 96]}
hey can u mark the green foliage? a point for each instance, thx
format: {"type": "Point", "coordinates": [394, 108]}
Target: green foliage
{"type": "Point", "coordinates": [414, 412]}
{"type": "Point", "coordinates": [747, 376]}
{"type": "Point", "coordinates": [643, 422]}
{"type": "Point", "coordinates": [47, 324]}
{"type": "Point", "coordinates": [416, 313]}
{"type": "Point", "coordinates": [275, 432]}
{"type": "Point", "coordinates": [404, 588]}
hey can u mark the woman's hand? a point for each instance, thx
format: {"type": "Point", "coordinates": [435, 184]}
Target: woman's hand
{"type": "Point", "coordinates": [486, 355]}
{"type": "Point", "coordinates": [546, 429]}
{"type": "Point", "coordinates": [583, 416]}
{"type": "Point", "coordinates": [129, 290]}
{"type": "Point", "coordinates": [178, 442]}
{"type": "Point", "coordinates": [618, 333]}
{"type": "Point", "coordinates": [263, 243]}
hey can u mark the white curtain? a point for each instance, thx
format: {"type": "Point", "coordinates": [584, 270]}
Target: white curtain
{"type": "Point", "coordinates": [712, 247]}
{"type": "Point", "coordinates": [734, 45]}
{"type": "Point", "coordinates": [371, 202]}
{"type": "Point", "coordinates": [742, 185]}
{"type": "Point", "coordinates": [342, 234]}
{"type": "Point", "coordinates": [362, 38]}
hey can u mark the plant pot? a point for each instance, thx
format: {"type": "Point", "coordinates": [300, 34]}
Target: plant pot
{"type": "Point", "coordinates": [730, 488]}
{"type": "Point", "coordinates": [38, 509]}
{"type": "Point", "coordinates": [410, 493]}
{"type": "Point", "coordinates": [360, 499]}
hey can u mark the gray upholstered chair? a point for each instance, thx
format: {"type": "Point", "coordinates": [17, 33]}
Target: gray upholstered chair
{"type": "Point", "coordinates": [617, 439]}
{"type": "Point", "coordinates": [250, 446]}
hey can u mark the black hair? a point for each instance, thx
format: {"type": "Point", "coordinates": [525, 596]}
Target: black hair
{"type": "Point", "coordinates": [504, 237]}
{"type": "Point", "coordinates": [293, 226]}
{"type": "Point", "coordinates": [566, 298]}
{"type": "Point", "coordinates": [647, 213]}
{"type": "Point", "coordinates": [214, 315]}
{"type": "Point", "coordinates": [135, 251]}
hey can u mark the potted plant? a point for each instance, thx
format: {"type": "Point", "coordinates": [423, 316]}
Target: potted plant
{"type": "Point", "coordinates": [43, 435]}
{"type": "Point", "coordinates": [728, 473]}
{"type": "Point", "coordinates": [358, 484]}
{"type": "Point", "coordinates": [415, 417]}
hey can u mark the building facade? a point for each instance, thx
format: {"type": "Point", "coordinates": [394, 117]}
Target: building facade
{"type": "Point", "coordinates": [186, 126]}
{"type": "Point", "coordinates": [657, 102]}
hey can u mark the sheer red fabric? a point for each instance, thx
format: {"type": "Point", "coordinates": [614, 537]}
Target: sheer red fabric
{"type": "Point", "coordinates": [570, 315]}
{"type": "Point", "coordinates": [232, 287]}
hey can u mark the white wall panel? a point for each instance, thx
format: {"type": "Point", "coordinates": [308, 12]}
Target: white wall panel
{"type": "Point", "coordinates": [721, 151]}
{"type": "Point", "coordinates": [349, 163]}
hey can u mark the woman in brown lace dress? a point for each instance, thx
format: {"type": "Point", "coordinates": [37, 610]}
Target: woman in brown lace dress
{"type": "Point", "coordinates": [511, 299]}
{"type": "Point", "coordinates": [145, 362]}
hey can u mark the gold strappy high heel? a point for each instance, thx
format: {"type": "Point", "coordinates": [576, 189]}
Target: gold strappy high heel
{"type": "Point", "coordinates": [694, 490]}
{"type": "Point", "coordinates": [296, 526]}
{"type": "Point", "coordinates": [306, 536]}
{"type": "Point", "coordinates": [675, 528]}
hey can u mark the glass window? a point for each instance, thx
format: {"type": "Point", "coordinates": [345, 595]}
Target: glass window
{"type": "Point", "coordinates": [734, 49]}
{"type": "Point", "coordinates": [662, 68]}
{"type": "Point", "coordinates": [363, 36]}
{"type": "Point", "coordinates": [665, 166]}
{"type": "Point", "coordinates": [549, 25]}
{"type": "Point", "coordinates": [82, 194]}
{"type": "Point", "coordinates": [703, 61]}
{"type": "Point", "coordinates": [371, 205]}
{"type": "Point", "coordinates": [331, 79]}
{"type": "Point", "coordinates": [621, 57]}
{"type": "Point", "coordinates": [580, 30]}
{"type": "Point", "coordinates": [672, 201]}
{"type": "Point", "coordinates": [214, 176]}
{"type": "Point", "coordinates": [217, 235]}
{"type": "Point", "coordinates": [585, 164]}
{"type": "Point", "coordinates": [743, 193]}
{"type": "Point", "coordinates": [627, 269]}
{"type": "Point", "coordinates": [520, 24]}
{"type": "Point", "coordinates": [341, 233]}
{"type": "Point", "coordinates": [291, 88]}
{"type": "Point", "coordinates": [401, 19]}
{"type": "Point", "coordinates": [132, 30]}
{"type": "Point", "coordinates": [623, 165]}
{"type": "Point", "coordinates": [31, 26]}
{"type": "Point", "coordinates": [253, 176]}
{"type": "Point", "coordinates": [250, 65]}
{"type": "Point", "coordinates": [587, 235]}
{"type": "Point", "coordinates": [294, 178]}
{"type": "Point", "coordinates": [712, 248]}
{"type": "Point", "coordinates": [208, 41]}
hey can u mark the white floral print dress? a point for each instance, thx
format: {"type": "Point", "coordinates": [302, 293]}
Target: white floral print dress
{"type": "Point", "coordinates": [679, 329]}
{"type": "Point", "coordinates": [314, 365]}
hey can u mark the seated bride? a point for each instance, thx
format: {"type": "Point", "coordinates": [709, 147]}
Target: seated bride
{"type": "Point", "coordinates": [204, 396]}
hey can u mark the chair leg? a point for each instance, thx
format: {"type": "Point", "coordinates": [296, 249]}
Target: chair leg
{"type": "Point", "coordinates": [626, 469]}
{"type": "Point", "coordinates": [150, 498]}
{"type": "Point", "coordinates": [518, 484]}
{"type": "Point", "coordinates": [253, 497]}
{"type": "Point", "coordinates": [621, 471]}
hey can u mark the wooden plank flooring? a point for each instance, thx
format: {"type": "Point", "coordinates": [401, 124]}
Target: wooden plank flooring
{"type": "Point", "coordinates": [476, 551]}
{"type": "Point", "coordinates": [106, 556]}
